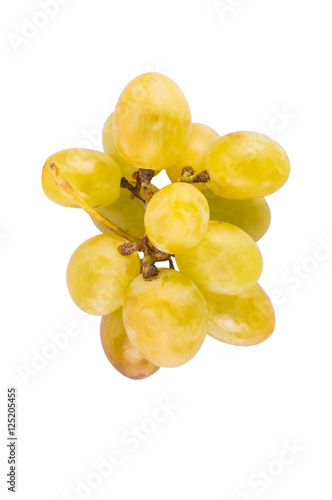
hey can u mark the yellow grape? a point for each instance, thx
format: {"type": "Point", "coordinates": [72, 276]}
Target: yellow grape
{"type": "Point", "coordinates": [226, 260]}
{"type": "Point", "coordinates": [176, 218]}
{"type": "Point", "coordinates": [126, 213]}
{"type": "Point", "coordinates": [120, 351]}
{"type": "Point", "coordinates": [245, 319]}
{"type": "Point", "coordinates": [94, 175]}
{"type": "Point", "coordinates": [246, 165]}
{"type": "Point", "coordinates": [152, 122]}
{"type": "Point", "coordinates": [111, 150]}
{"type": "Point", "coordinates": [201, 138]}
{"type": "Point", "coordinates": [165, 318]}
{"type": "Point", "coordinates": [98, 275]}
{"type": "Point", "coordinates": [253, 216]}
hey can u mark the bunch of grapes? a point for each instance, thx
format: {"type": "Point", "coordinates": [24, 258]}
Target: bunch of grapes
{"type": "Point", "coordinates": [207, 222]}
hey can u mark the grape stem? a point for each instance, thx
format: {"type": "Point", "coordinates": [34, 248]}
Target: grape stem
{"type": "Point", "coordinates": [64, 184]}
{"type": "Point", "coordinates": [188, 175]}
{"type": "Point", "coordinates": [143, 181]}
{"type": "Point", "coordinates": [151, 256]}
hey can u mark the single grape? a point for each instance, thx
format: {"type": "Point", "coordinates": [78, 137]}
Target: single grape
{"type": "Point", "coordinates": [126, 213]}
{"type": "Point", "coordinates": [152, 122]}
{"type": "Point", "coordinates": [201, 138]}
{"type": "Point", "coordinates": [98, 275]}
{"type": "Point", "coordinates": [246, 165]}
{"type": "Point", "coordinates": [165, 318]}
{"type": "Point", "coordinates": [94, 175]}
{"type": "Point", "coordinates": [245, 319]}
{"type": "Point", "coordinates": [226, 260]}
{"type": "Point", "coordinates": [176, 218]}
{"type": "Point", "coordinates": [120, 351]}
{"type": "Point", "coordinates": [253, 216]}
{"type": "Point", "coordinates": [110, 149]}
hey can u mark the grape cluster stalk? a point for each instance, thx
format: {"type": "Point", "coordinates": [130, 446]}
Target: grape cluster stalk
{"type": "Point", "coordinates": [207, 221]}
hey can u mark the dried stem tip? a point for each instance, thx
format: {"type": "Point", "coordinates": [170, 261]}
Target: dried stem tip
{"type": "Point", "coordinates": [145, 176]}
{"type": "Point", "coordinates": [193, 179]}
{"type": "Point", "coordinates": [149, 269]}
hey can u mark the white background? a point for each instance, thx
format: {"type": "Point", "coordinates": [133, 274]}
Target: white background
{"type": "Point", "coordinates": [241, 64]}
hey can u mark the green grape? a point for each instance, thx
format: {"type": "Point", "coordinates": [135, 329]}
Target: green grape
{"type": "Point", "coordinates": [201, 138]}
{"type": "Point", "coordinates": [120, 351]}
{"type": "Point", "coordinates": [226, 260]}
{"type": "Point", "coordinates": [94, 175]}
{"type": "Point", "coordinates": [165, 318]}
{"type": "Point", "coordinates": [245, 319]}
{"type": "Point", "coordinates": [176, 218]}
{"type": "Point", "coordinates": [110, 149]}
{"type": "Point", "coordinates": [152, 122]}
{"type": "Point", "coordinates": [98, 275]}
{"type": "Point", "coordinates": [246, 165]}
{"type": "Point", "coordinates": [253, 216]}
{"type": "Point", "coordinates": [126, 213]}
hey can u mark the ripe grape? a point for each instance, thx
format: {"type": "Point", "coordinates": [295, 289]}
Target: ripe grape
{"type": "Point", "coordinates": [226, 260]}
{"type": "Point", "coordinates": [94, 175]}
{"type": "Point", "coordinates": [253, 216]}
{"type": "Point", "coordinates": [201, 138]}
{"type": "Point", "coordinates": [120, 351]}
{"type": "Point", "coordinates": [176, 218]}
{"type": "Point", "coordinates": [165, 318]}
{"type": "Point", "coordinates": [111, 150]}
{"type": "Point", "coordinates": [152, 122]}
{"type": "Point", "coordinates": [246, 165]}
{"type": "Point", "coordinates": [98, 275]}
{"type": "Point", "coordinates": [126, 213]}
{"type": "Point", "coordinates": [245, 319]}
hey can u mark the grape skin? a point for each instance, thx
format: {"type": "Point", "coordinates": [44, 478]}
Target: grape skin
{"type": "Point", "coordinates": [246, 165]}
{"type": "Point", "coordinates": [245, 319]}
{"type": "Point", "coordinates": [98, 275]}
{"type": "Point", "coordinates": [253, 216]}
{"type": "Point", "coordinates": [165, 318]}
{"type": "Point", "coordinates": [94, 175]}
{"type": "Point", "coordinates": [152, 122]}
{"type": "Point", "coordinates": [126, 213]}
{"type": "Point", "coordinates": [111, 150]}
{"type": "Point", "coordinates": [176, 218]}
{"type": "Point", "coordinates": [120, 351]}
{"type": "Point", "coordinates": [226, 260]}
{"type": "Point", "coordinates": [201, 138]}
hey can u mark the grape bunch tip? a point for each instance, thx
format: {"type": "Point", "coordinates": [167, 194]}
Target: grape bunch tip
{"type": "Point", "coordinates": [206, 222]}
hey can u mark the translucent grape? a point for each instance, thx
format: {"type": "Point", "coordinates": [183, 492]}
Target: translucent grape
{"type": "Point", "coordinates": [98, 275]}
{"type": "Point", "coordinates": [253, 216]}
{"type": "Point", "coordinates": [152, 122]}
{"type": "Point", "coordinates": [166, 318]}
{"type": "Point", "coordinates": [201, 138]}
{"type": "Point", "coordinates": [246, 165]}
{"type": "Point", "coordinates": [226, 260]}
{"type": "Point", "coordinates": [176, 218]}
{"type": "Point", "coordinates": [245, 319]}
{"type": "Point", "coordinates": [111, 150]}
{"type": "Point", "coordinates": [126, 213]}
{"type": "Point", "coordinates": [94, 175]}
{"type": "Point", "coordinates": [120, 351]}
